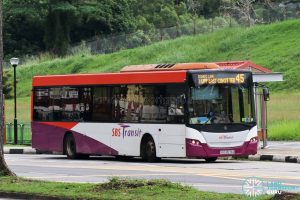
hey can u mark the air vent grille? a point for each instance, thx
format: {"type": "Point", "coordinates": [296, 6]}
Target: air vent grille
{"type": "Point", "coordinates": [164, 66]}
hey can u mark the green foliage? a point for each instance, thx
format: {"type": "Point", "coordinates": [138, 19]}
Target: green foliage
{"type": "Point", "coordinates": [7, 84]}
{"type": "Point", "coordinates": [31, 26]}
{"type": "Point", "coordinates": [23, 27]}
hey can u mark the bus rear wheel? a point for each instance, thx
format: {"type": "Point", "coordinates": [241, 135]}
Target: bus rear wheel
{"type": "Point", "coordinates": [70, 147]}
{"type": "Point", "coordinates": [149, 152]}
{"type": "Point", "coordinates": [211, 159]}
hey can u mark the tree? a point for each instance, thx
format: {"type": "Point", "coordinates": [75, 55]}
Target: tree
{"type": "Point", "coordinates": [23, 27]}
{"type": "Point", "coordinates": [4, 170]}
{"type": "Point", "coordinates": [60, 19]}
{"type": "Point", "coordinates": [227, 8]}
{"type": "Point", "coordinates": [193, 7]}
{"type": "Point", "coordinates": [245, 8]}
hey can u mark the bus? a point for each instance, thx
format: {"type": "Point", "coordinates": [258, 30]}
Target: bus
{"type": "Point", "coordinates": [190, 110]}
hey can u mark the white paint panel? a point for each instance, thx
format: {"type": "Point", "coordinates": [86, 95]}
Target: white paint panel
{"type": "Point", "coordinates": [172, 141]}
{"type": "Point", "coordinates": [232, 139]}
{"type": "Point", "coordinates": [267, 77]}
{"type": "Point", "coordinates": [100, 132]}
{"type": "Point", "coordinates": [252, 133]}
{"type": "Point", "coordinates": [194, 134]}
{"type": "Point", "coordinates": [172, 150]}
{"type": "Point", "coordinates": [127, 140]}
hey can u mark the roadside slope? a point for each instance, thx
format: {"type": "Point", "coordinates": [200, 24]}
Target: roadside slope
{"type": "Point", "coordinates": [273, 46]}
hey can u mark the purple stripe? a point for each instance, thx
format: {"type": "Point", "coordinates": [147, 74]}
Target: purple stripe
{"type": "Point", "coordinates": [204, 151]}
{"type": "Point", "coordinates": [50, 138]}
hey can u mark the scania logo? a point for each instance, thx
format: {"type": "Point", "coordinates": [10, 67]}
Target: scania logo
{"type": "Point", "coordinates": [225, 137]}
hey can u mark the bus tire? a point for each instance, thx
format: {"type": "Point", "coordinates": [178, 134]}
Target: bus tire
{"type": "Point", "coordinates": [211, 159]}
{"type": "Point", "coordinates": [70, 146]}
{"type": "Point", "coordinates": [149, 151]}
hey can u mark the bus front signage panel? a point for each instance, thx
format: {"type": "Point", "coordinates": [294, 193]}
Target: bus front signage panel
{"type": "Point", "coordinates": [220, 78]}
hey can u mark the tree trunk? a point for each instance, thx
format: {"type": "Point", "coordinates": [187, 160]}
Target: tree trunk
{"type": "Point", "coordinates": [4, 170]}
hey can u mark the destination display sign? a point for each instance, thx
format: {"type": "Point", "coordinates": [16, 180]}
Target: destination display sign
{"type": "Point", "coordinates": [220, 78]}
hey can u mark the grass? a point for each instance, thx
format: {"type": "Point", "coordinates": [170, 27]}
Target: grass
{"type": "Point", "coordinates": [284, 116]}
{"type": "Point", "coordinates": [284, 130]}
{"type": "Point", "coordinates": [284, 106]}
{"type": "Point", "coordinates": [273, 46]}
{"type": "Point", "coordinates": [23, 110]}
{"type": "Point", "coordinates": [115, 189]}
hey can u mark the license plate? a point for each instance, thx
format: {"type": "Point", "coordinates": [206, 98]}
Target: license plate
{"type": "Point", "coordinates": [227, 152]}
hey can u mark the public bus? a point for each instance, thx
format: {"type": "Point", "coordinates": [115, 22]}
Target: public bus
{"type": "Point", "coordinates": [189, 110]}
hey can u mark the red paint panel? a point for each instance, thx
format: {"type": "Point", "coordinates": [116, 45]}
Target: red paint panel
{"type": "Point", "coordinates": [66, 125]}
{"type": "Point", "coordinates": [111, 78]}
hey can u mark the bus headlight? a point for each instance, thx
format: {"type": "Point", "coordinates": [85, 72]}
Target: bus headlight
{"type": "Point", "coordinates": [194, 142]}
{"type": "Point", "coordinates": [254, 140]}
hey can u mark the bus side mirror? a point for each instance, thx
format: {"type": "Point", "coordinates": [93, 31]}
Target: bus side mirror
{"type": "Point", "coordinates": [266, 94]}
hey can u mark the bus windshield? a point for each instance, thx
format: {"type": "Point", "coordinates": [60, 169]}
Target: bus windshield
{"type": "Point", "coordinates": [221, 104]}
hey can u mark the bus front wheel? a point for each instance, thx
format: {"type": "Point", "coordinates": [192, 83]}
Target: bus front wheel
{"type": "Point", "coordinates": [149, 152]}
{"type": "Point", "coordinates": [211, 159]}
{"type": "Point", "coordinates": [70, 146]}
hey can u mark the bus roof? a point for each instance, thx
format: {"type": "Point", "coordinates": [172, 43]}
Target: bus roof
{"type": "Point", "coordinates": [110, 78]}
{"type": "Point", "coordinates": [227, 65]}
{"type": "Point", "coordinates": [147, 74]}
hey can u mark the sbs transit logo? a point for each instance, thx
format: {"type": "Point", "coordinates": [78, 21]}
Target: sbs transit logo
{"type": "Point", "coordinates": [125, 131]}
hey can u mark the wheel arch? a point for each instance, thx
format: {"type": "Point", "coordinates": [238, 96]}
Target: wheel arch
{"type": "Point", "coordinates": [145, 138]}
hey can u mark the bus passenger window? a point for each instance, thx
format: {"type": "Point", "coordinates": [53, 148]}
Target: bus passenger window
{"type": "Point", "coordinates": [176, 100]}
{"type": "Point", "coordinates": [41, 104]}
{"type": "Point", "coordinates": [153, 104]}
{"type": "Point", "coordinates": [127, 103]}
{"type": "Point", "coordinates": [102, 104]}
{"type": "Point", "coordinates": [85, 103]}
{"type": "Point", "coordinates": [55, 104]}
{"type": "Point", "coordinates": [70, 107]}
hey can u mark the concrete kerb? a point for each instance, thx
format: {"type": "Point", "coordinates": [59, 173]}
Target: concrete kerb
{"type": "Point", "coordinates": [275, 158]}
{"type": "Point", "coordinates": [28, 151]}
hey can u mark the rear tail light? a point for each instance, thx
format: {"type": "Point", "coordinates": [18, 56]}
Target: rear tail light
{"type": "Point", "coordinates": [254, 140]}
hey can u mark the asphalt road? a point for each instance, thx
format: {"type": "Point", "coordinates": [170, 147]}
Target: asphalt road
{"type": "Point", "coordinates": [221, 176]}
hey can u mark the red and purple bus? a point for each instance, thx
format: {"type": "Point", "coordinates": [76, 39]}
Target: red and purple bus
{"type": "Point", "coordinates": [192, 110]}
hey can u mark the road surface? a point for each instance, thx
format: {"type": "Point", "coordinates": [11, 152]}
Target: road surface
{"type": "Point", "coordinates": [221, 176]}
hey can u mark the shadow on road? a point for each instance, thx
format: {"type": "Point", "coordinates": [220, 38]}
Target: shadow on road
{"type": "Point", "coordinates": [139, 160]}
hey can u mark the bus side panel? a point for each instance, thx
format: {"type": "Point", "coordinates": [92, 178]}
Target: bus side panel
{"type": "Point", "coordinates": [47, 137]}
{"type": "Point", "coordinates": [172, 141]}
{"type": "Point", "coordinates": [169, 138]}
{"type": "Point", "coordinates": [94, 138]}
{"type": "Point", "coordinates": [125, 138]}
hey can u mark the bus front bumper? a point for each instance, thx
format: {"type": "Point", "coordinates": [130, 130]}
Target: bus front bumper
{"type": "Point", "coordinates": [195, 149]}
